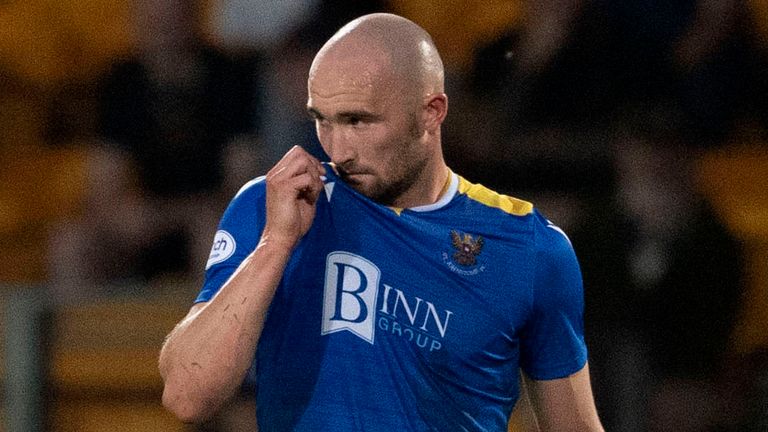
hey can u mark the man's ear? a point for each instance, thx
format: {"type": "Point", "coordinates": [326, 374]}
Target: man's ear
{"type": "Point", "coordinates": [435, 110]}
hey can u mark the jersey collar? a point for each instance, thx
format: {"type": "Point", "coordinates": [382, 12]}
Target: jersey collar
{"type": "Point", "coordinates": [450, 192]}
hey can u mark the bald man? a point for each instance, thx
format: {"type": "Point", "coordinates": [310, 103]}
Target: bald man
{"type": "Point", "coordinates": [381, 291]}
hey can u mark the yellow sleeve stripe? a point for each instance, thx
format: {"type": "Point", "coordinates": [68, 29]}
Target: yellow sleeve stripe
{"type": "Point", "coordinates": [490, 198]}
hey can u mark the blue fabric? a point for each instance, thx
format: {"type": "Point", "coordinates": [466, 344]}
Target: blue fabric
{"type": "Point", "coordinates": [417, 321]}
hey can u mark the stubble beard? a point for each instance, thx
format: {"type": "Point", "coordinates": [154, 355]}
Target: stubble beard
{"type": "Point", "coordinates": [409, 164]}
{"type": "Point", "coordinates": [388, 194]}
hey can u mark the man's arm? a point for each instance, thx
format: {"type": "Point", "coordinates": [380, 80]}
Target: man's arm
{"type": "Point", "coordinates": [564, 404]}
{"type": "Point", "coordinates": [205, 358]}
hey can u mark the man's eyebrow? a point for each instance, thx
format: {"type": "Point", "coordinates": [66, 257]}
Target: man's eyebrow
{"type": "Point", "coordinates": [315, 114]}
{"type": "Point", "coordinates": [367, 115]}
{"type": "Point", "coordinates": [364, 115]}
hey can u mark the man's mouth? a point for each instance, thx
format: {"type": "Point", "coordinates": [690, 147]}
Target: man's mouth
{"type": "Point", "coordinates": [349, 174]}
{"type": "Point", "coordinates": [353, 177]}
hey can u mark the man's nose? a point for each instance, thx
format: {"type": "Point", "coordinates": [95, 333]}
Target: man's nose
{"type": "Point", "coordinates": [342, 150]}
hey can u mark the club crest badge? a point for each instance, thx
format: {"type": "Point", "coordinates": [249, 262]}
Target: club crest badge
{"type": "Point", "coordinates": [463, 258]}
{"type": "Point", "coordinates": [467, 248]}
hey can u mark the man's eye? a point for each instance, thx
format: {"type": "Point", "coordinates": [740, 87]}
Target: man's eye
{"type": "Point", "coordinates": [354, 121]}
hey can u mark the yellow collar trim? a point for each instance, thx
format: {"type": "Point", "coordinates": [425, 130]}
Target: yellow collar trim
{"type": "Point", "coordinates": [490, 198]}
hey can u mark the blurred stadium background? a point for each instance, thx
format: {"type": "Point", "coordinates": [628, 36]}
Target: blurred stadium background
{"type": "Point", "coordinates": [639, 126]}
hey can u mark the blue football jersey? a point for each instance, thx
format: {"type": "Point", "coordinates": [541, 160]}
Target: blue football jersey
{"type": "Point", "coordinates": [408, 319]}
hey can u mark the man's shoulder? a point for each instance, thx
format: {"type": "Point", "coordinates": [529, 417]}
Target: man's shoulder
{"type": "Point", "coordinates": [486, 197]}
{"type": "Point", "coordinates": [516, 217]}
{"type": "Point", "coordinates": [252, 187]}
{"type": "Point", "coordinates": [247, 200]}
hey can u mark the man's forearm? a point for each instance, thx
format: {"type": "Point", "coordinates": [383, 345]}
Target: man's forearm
{"type": "Point", "coordinates": [564, 404]}
{"type": "Point", "coordinates": [205, 359]}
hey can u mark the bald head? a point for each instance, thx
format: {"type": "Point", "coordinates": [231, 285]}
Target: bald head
{"type": "Point", "coordinates": [375, 90]}
{"type": "Point", "coordinates": [378, 46]}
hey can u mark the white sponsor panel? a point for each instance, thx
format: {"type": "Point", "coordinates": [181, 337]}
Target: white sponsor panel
{"type": "Point", "coordinates": [351, 287]}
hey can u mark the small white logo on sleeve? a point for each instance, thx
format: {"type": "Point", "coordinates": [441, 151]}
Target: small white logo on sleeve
{"type": "Point", "coordinates": [223, 247]}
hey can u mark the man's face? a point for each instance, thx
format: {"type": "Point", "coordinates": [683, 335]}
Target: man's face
{"type": "Point", "coordinates": [368, 126]}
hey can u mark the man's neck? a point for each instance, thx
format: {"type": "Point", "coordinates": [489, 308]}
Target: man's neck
{"type": "Point", "coordinates": [431, 187]}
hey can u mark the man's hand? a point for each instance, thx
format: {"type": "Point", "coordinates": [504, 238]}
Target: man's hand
{"type": "Point", "coordinates": [293, 186]}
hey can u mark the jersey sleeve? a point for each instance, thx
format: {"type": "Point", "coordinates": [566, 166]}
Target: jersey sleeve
{"type": "Point", "coordinates": [552, 341]}
{"type": "Point", "coordinates": [236, 237]}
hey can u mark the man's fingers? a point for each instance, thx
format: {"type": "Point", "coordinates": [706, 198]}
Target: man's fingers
{"type": "Point", "coordinates": [313, 191]}
{"type": "Point", "coordinates": [290, 169]}
{"type": "Point", "coordinates": [296, 161]}
{"type": "Point", "coordinates": [293, 187]}
{"type": "Point", "coordinates": [306, 186]}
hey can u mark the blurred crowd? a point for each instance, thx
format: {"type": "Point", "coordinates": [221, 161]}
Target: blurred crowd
{"type": "Point", "coordinates": [126, 127]}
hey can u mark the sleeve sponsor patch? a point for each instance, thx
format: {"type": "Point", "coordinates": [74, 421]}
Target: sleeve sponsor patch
{"type": "Point", "coordinates": [223, 247]}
